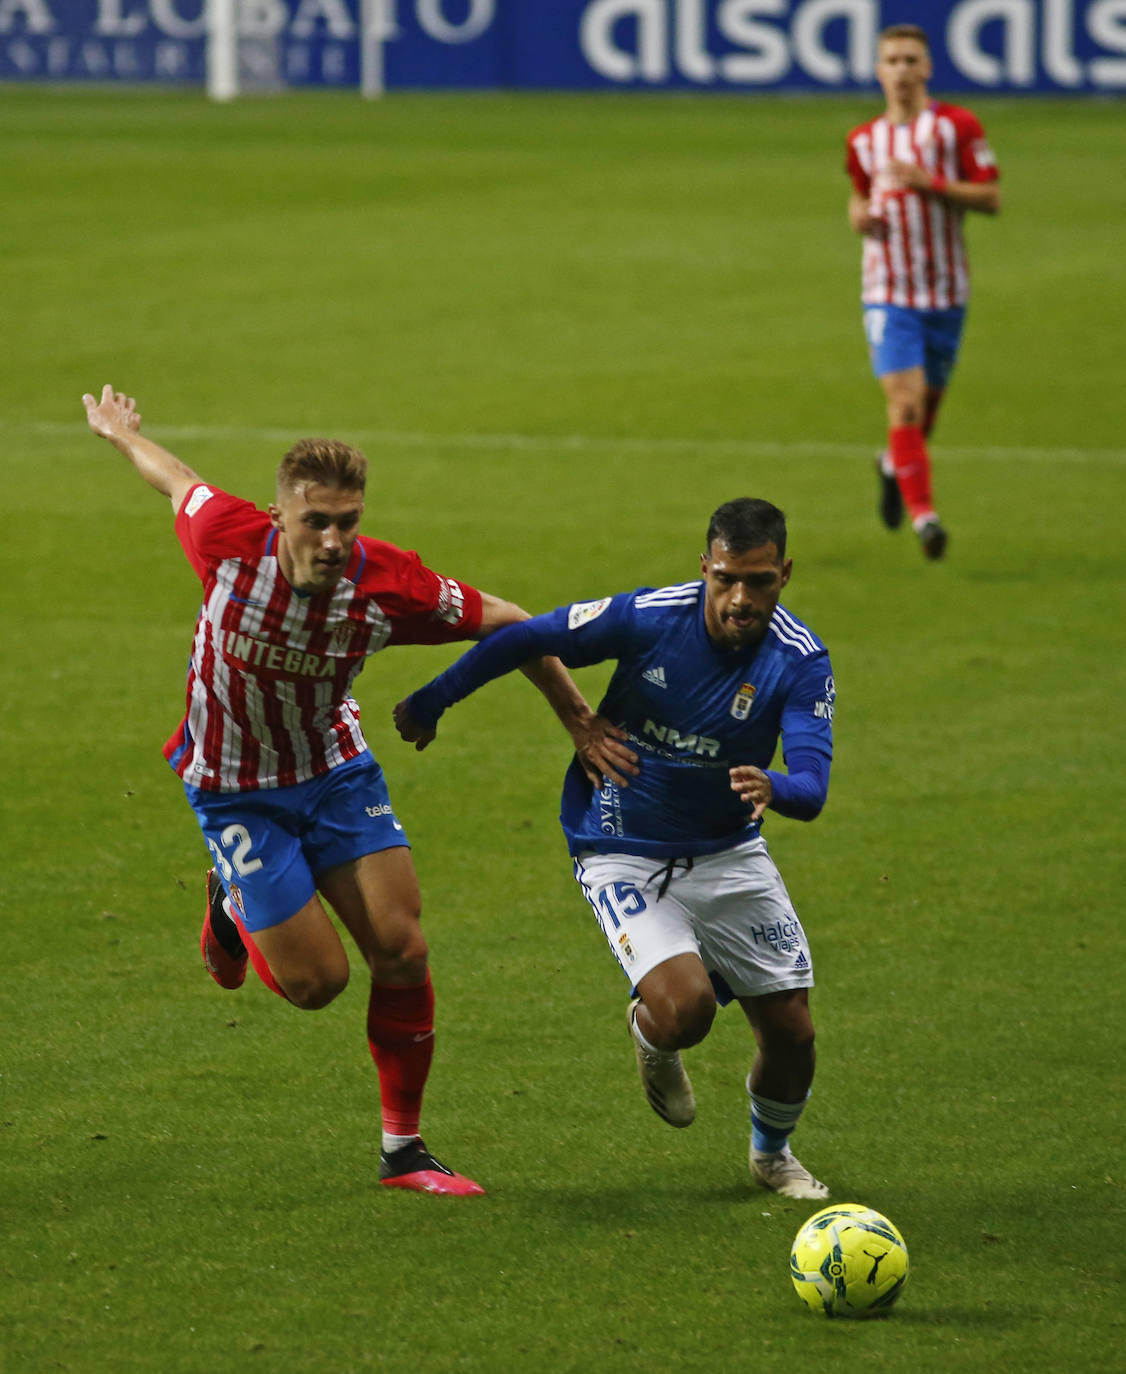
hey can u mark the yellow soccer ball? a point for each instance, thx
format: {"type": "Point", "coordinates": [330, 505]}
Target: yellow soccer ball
{"type": "Point", "coordinates": [848, 1261]}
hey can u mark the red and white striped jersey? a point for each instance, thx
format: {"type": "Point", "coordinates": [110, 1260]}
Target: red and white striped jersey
{"type": "Point", "coordinates": [922, 261]}
{"type": "Point", "coordinates": [269, 699]}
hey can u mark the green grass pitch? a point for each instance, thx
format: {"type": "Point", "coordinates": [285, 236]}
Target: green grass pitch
{"type": "Point", "coordinates": [563, 329]}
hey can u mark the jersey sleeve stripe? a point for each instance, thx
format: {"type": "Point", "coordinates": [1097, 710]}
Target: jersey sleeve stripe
{"type": "Point", "coordinates": [683, 594]}
{"type": "Point", "coordinates": [793, 632]}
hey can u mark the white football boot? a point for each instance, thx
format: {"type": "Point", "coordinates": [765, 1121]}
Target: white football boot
{"type": "Point", "coordinates": [785, 1174]}
{"type": "Point", "coordinates": [666, 1085]}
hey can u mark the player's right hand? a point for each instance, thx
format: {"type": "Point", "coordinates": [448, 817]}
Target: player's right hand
{"type": "Point", "coordinates": [114, 412]}
{"type": "Point", "coordinates": [752, 786]}
{"type": "Point", "coordinates": [408, 727]}
{"type": "Point", "coordinates": [603, 752]}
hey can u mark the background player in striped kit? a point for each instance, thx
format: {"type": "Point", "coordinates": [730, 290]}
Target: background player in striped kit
{"type": "Point", "coordinates": [709, 675]}
{"type": "Point", "coordinates": [915, 170]}
{"type": "Point", "coordinates": [275, 764]}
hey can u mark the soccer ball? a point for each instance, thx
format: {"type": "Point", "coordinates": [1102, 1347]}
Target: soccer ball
{"type": "Point", "coordinates": [848, 1261]}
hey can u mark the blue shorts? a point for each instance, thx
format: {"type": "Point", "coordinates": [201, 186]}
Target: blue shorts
{"type": "Point", "coordinates": [270, 846]}
{"type": "Point", "coordinates": [900, 338]}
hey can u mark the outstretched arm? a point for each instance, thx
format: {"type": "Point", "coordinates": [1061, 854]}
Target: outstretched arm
{"type": "Point", "coordinates": [115, 418]}
{"type": "Point", "coordinates": [599, 745]}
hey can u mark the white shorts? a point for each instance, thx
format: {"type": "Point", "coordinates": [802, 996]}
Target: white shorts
{"type": "Point", "coordinates": [731, 908]}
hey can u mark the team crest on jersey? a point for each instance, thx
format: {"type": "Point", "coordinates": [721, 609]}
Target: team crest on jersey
{"type": "Point", "coordinates": [235, 894]}
{"type": "Point", "coordinates": [582, 611]}
{"type": "Point", "coordinates": [198, 497]}
{"type": "Point", "coordinates": [983, 154]}
{"type": "Point", "coordinates": [341, 638]}
{"type": "Point", "coordinates": [744, 700]}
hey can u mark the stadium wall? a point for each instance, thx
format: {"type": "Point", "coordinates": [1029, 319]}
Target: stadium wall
{"type": "Point", "coordinates": [1011, 46]}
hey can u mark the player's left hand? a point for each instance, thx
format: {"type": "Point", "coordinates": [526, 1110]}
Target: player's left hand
{"type": "Point", "coordinates": [409, 729]}
{"type": "Point", "coordinates": [752, 786]}
{"type": "Point", "coordinates": [602, 752]}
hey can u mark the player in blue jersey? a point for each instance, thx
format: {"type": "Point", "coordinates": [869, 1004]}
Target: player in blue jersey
{"type": "Point", "coordinates": [709, 675]}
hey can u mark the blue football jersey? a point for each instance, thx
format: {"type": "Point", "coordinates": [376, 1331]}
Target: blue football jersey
{"type": "Point", "coordinates": [692, 711]}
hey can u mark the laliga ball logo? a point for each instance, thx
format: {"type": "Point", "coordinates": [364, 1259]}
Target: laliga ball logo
{"type": "Point", "coordinates": [848, 1261]}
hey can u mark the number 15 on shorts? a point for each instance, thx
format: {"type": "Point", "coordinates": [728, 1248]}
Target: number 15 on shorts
{"type": "Point", "coordinates": [618, 903]}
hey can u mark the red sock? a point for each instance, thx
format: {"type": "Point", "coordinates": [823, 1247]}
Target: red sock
{"type": "Point", "coordinates": [401, 1039]}
{"type": "Point", "coordinates": [908, 449]}
{"type": "Point", "coordinates": [257, 958]}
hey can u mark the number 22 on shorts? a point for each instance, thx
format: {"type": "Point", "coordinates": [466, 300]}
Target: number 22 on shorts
{"type": "Point", "coordinates": [237, 838]}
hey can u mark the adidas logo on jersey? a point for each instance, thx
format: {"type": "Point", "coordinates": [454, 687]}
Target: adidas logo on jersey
{"type": "Point", "coordinates": [656, 676]}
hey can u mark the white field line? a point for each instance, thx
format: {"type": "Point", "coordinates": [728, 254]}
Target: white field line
{"type": "Point", "coordinates": [577, 443]}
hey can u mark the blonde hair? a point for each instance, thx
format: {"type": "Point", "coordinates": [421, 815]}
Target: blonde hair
{"type": "Point", "coordinates": [905, 31]}
{"type": "Point", "coordinates": [327, 462]}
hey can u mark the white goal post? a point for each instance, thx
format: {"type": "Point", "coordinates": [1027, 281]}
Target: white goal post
{"type": "Point", "coordinates": [222, 49]}
{"type": "Point", "coordinates": [230, 54]}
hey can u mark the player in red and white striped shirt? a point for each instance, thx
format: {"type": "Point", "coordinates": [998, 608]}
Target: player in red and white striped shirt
{"type": "Point", "coordinates": [915, 170]}
{"type": "Point", "coordinates": [274, 763]}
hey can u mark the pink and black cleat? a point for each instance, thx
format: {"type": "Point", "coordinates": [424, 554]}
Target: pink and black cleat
{"type": "Point", "coordinates": [414, 1167]}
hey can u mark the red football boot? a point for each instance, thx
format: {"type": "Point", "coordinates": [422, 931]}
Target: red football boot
{"type": "Point", "coordinates": [416, 1168]}
{"type": "Point", "coordinates": [224, 959]}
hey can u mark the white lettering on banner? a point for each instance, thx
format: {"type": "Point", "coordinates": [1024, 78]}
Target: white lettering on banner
{"type": "Point", "coordinates": [334, 64]}
{"type": "Point", "coordinates": [673, 35]}
{"type": "Point", "coordinates": [1106, 23]}
{"type": "Point", "coordinates": [262, 18]}
{"type": "Point", "coordinates": [94, 60]}
{"type": "Point", "coordinates": [22, 56]}
{"type": "Point", "coordinates": [766, 54]}
{"type": "Point", "coordinates": [692, 41]}
{"type": "Point", "coordinates": [168, 19]}
{"type": "Point", "coordinates": [68, 57]}
{"type": "Point", "coordinates": [37, 18]}
{"type": "Point", "coordinates": [596, 38]}
{"type": "Point", "coordinates": [1059, 60]}
{"type": "Point", "coordinates": [432, 19]}
{"type": "Point", "coordinates": [808, 39]}
{"type": "Point", "coordinates": [1016, 65]}
{"type": "Point", "coordinates": [171, 60]}
{"type": "Point", "coordinates": [963, 32]}
{"type": "Point", "coordinates": [112, 23]}
{"type": "Point", "coordinates": [338, 21]}
{"type": "Point", "coordinates": [1065, 45]}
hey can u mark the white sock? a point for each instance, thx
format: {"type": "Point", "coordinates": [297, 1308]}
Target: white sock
{"type": "Point", "coordinates": [391, 1143]}
{"type": "Point", "coordinates": [646, 1043]}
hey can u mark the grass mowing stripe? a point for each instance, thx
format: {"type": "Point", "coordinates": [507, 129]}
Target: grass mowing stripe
{"type": "Point", "coordinates": [580, 442]}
